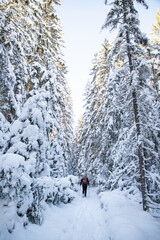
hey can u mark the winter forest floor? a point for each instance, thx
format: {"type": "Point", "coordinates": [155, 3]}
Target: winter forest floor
{"type": "Point", "coordinates": [85, 219]}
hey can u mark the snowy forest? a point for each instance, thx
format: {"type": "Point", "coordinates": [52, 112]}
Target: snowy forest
{"type": "Point", "coordinates": [42, 157]}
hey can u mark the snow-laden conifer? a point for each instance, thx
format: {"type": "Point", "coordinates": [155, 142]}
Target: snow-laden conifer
{"type": "Point", "coordinates": [92, 129]}
{"type": "Point", "coordinates": [154, 54]}
{"type": "Point", "coordinates": [36, 100]}
{"type": "Point", "coordinates": [137, 143]}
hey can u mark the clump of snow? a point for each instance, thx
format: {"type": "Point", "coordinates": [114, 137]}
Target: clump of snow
{"type": "Point", "coordinates": [19, 148]}
{"type": "Point", "coordinates": [4, 131]}
{"type": "Point", "coordinates": [37, 117]}
{"type": "Point", "coordinates": [31, 132]}
{"type": "Point", "coordinates": [11, 161]}
{"type": "Point", "coordinates": [126, 220]}
{"type": "Point", "coordinates": [16, 127]}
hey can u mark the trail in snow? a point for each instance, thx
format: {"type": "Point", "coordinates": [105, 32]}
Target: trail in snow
{"type": "Point", "coordinates": [83, 219]}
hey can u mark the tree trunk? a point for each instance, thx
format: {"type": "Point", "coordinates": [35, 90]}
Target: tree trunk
{"type": "Point", "coordinates": [141, 160]}
{"type": "Point", "coordinates": [136, 118]}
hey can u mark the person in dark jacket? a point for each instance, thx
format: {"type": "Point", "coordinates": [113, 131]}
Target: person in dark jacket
{"type": "Point", "coordinates": [84, 182]}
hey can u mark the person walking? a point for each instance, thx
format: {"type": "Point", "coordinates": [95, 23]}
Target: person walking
{"type": "Point", "coordinates": [84, 182]}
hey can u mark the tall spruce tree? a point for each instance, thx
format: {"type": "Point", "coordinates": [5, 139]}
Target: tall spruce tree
{"type": "Point", "coordinates": [35, 99]}
{"type": "Point", "coordinates": [133, 71]}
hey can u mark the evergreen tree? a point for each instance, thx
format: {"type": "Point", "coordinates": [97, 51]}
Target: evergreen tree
{"type": "Point", "coordinates": [140, 100]}
{"type": "Point", "coordinates": [154, 58]}
{"type": "Point", "coordinates": [78, 164]}
{"type": "Point", "coordinates": [91, 132]}
{"type": "Point", "coordinates": [12, 64]}
{"type": "Point", "coordinates": [36, 101]}
{"type": "Point", "coordinates": [156, 29]}
{"type": "Point", "coordinates": [4, 132]}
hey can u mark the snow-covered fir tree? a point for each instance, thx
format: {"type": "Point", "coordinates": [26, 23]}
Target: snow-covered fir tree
{"type": "Point", "coordinates": [143, 128]}
{"type": "Point", "coordinates": [12, 61]}
{"type": "Point", "coordinates": [77, 144]}
{"type": "Point", "coordinates": [89, 135]}
{"type": "Point", "coordinates": [154, 54]}
{"type": "Point", "coordinates": [36, 110]}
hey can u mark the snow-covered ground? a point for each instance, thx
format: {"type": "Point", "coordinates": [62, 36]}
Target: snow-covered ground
{"type": "Point", "coordinates": [112, 217]}
{"type": "Point", "coordinates": [126, 220]}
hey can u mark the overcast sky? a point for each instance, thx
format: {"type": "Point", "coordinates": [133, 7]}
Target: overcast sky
{"type": "Point", "coordinates": [81, 22]}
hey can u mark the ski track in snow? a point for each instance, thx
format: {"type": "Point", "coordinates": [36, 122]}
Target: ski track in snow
{"type": "Point", "coordinates": [83, 219]}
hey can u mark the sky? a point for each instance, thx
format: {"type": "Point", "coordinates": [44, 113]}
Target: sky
{"type": "Point", "coordinates": [81, 22]}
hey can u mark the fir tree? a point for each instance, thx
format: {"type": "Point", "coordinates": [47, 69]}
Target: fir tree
{"type": "Point", "coordinates": [13, 68]}
{"type": "Point", "coordinates": [36, 100]}
{"type": "Point", "coordinates": [91, 132]}
{"type": "Point", "coordinates": [154, 59]}
{"type": "Point", "coordinates": [141, 98]}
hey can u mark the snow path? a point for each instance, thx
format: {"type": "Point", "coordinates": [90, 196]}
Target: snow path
{"type": "Point", "coordinates": [83, 219]}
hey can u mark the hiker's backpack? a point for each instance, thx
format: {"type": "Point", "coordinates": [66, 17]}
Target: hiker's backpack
{"type": "Point", "coordinates": [85, 180]}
